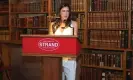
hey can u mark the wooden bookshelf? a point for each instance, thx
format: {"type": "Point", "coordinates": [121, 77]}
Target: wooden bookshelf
{"type": "Point", "coordinates": [109, 28]}
{"type": "Point", "coordinates": [104, 25]}
{"type": "Point", "coordinates": [4, 20]}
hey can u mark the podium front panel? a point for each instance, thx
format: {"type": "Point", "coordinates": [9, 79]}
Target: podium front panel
{"type": "Point", "coordinates": [49, 45]}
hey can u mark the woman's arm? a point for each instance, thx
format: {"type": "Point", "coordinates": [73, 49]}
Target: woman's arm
{"type": "Point", "coordinates": [50, 28]}
{"type": "Point", "coordinates": [75, 25]}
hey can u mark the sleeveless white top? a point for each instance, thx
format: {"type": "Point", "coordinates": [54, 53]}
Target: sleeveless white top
{"type": "Point", "coordinates": [66, 31]}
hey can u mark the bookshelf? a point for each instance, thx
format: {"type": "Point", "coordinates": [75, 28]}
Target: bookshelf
{"type": "Point", "coordinates": [4, 22]}
{"type": "Point", "coordinates": [105, 31]}
{"type": "Point", "coordinates": [32, 18]}
{"type": "Point", "coordinates": [106, 62]}
{"type": "Point", "coordinates": [108, 34]}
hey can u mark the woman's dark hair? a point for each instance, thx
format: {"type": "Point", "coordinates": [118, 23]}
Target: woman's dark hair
{"type": "Point", "coordinates": [58, 20]}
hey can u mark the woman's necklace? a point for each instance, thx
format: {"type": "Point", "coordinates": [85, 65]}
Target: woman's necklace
{"type": "Point", "coordinates": [62, 27]}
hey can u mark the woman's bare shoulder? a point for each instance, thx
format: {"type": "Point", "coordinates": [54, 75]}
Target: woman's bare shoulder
{"type": "Point", "coordinates": [74, 23]}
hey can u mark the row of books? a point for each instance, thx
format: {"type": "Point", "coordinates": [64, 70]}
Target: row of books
{"type": "Point", "coordinates": [108, 5]}
{"type": "Point", "coordinates": [106, 58]}
{"type": "Point", "coordinates": [4, 20]}
{"type": "Point", "coordinates": [16, 34]}
{"type": "Point", "coordinates": [30, 21]}
{"type": "Point", "coordinates": [108, 38]}
{"type": "Point", "coordinates": [100, 74]}
{"type": "Point", "coordinates": [102, 59]}
{"type": "Point", "coordinates": [108, 20]}
{"type": "Point", "coordinates": [78, 5]}
{"type": "Point", "coordinates": [30, 7]}
{"type": "Point", "coordinates": [4, 35]}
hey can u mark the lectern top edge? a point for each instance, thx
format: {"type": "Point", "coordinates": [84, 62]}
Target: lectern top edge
{"type": "Point", "coordinates": [59, 36]}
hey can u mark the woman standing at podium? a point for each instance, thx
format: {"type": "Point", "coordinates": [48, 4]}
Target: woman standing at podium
{"type": "Point", "coordinates": [65, 26]}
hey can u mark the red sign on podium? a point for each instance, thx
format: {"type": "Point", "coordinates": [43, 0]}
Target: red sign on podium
{"type": "Point", "coordinates": [47, 44]}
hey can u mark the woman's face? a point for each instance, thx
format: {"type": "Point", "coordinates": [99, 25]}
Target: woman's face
{"type": "Point", "coordinates": [64, 13]}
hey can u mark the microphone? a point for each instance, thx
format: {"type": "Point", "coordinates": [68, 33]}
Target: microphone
{"type": "Point", "coordinates": [62, 27]}
{"type": "Point", "coordinates": [64, 21]}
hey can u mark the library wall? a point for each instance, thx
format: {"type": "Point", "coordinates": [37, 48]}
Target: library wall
{"type": "Point", "coordinates": [105, 31]}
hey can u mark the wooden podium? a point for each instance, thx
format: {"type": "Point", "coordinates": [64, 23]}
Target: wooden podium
{"type": "Point", "coordinates": [51, 48]}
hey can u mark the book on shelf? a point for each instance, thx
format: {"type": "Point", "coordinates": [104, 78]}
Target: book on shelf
{"type": "Point", "coordinates": [81, 21]}
{"type": "Point", "coordinates": [129, 56]}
